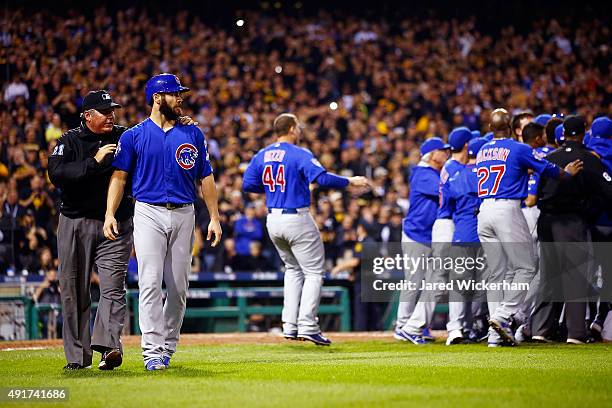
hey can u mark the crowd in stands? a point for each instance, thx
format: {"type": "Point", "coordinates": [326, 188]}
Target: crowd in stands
{"type": "Point", "coordinates": [368, 91]}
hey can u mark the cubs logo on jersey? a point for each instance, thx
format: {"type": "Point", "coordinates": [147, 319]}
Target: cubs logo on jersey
{"type": "Point", "coordinates": [186, 155]}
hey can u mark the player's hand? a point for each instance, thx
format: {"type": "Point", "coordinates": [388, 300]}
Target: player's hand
{"type": "Point", "coordinates": [186, 120]}
{"type": "Point", "coordinates": [111, 230]}
{"type": "Point", "coordinates": [214, 227]}
{"type": "Point", "coordinates": [574, 167]}
{"type": "Point", "coordinates": [103, 151]}
{"type": "Point", "coordinates": [359, 181]}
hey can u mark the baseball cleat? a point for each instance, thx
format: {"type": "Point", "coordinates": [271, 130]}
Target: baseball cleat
{"type": "Point", "coordinates": [455, 337]}
{"type": "Point", "coordinates": [166, 360]}
{"type": "Point", "coordinates": [110, 359]}
{"type": "Point", "coordinates": [571, 340]}
{"type": "Point", "coordinates": [317, 339]}
{"type": "Point", "coordinates": [290, 336]}
{"type": "Point", "coordinates": [541, 339]}
{"type": "Point", "coordinates": [155, 365]}
{"type": "Point", "coordinates": [413, 338]}
{"type": "Point", "coordinates": [427, 335]}
{"type": "Point", "coordinates": [503, 329]}
{"type": "Point", "coordinates": [73, 367]}
{"type": "Point", "coordinates": [522, 334]}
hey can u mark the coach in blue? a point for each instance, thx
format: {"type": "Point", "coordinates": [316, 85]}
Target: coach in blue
{"type": "Point", "coordinates": [165, 161]}
{"type": "Point", "coordinates": [418, 225]}
{"type": "Point", "coordinates": [284, 171]}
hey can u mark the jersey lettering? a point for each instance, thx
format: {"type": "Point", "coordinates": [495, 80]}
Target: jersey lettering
{"type": "Point", "coordinates": [268, 178]}
{"type": "Point", "coordinates": [483, 175]}
{"type": "Point", "coordinates": [274, 156]}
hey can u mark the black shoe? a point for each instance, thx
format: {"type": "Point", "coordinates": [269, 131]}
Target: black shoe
{"type": "Point", "coordinates": [73, 366]}
{"type": "Point", "coordinates": [110, 359]}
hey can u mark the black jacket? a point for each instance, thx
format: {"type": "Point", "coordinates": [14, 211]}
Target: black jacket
{"type": "Point", "coordinates": [587, 193]}
{"type": "Point", "coordinates": [82, 180]}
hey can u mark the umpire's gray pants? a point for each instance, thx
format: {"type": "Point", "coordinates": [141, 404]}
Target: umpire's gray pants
{"type": "Point", "coordinates": [508, 246]}
{"type": "Point", "coordinates": [297, 239]}
{"type": "Point", "coordinates": [408, 298]}
{"type": "Point", "coordinates": [81, 246]}
{"type": "Point", "coordinates": [163, 240]}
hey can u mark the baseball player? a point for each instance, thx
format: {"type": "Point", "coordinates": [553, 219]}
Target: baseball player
{"type": "Point", "coordinates": [165, 161]}
{"type": "Point", "coordinates": [283, 171]}
{"type": "Point", "coordinates": [464, 201]}
{"type": "Point", "coordinates": [442, 236]}
{"type": "Point", "coordinates": [417, 228]}
{"type": "Point", "coordinates": [503, 166]}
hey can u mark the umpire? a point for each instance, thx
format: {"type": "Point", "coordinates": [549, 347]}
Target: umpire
{"type": "Point", "coordinates": [80, 166]}
{"type": "Point", "coordinates": [568, 210]}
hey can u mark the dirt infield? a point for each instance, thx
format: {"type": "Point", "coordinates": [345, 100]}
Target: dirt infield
{"type": "Point", "coordinates": [220, 338]}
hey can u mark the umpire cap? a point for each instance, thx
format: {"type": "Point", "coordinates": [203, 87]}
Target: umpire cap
{"type": "Point", "coordinates": [99, 100]}
{"type": "Point", "coordinates": [163, 83]}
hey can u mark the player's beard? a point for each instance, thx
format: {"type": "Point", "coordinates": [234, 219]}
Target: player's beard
{"type": "Point", "coordinates": [168, 112]}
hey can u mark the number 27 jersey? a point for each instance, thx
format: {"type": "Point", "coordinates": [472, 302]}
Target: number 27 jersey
{"type": "Point", "coordinates": [283, 172]}
{"type": "Point", "coordinates": [503, 169]}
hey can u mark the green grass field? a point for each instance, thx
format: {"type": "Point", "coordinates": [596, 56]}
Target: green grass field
{"type": "Point", "coordinates": [369, 374]}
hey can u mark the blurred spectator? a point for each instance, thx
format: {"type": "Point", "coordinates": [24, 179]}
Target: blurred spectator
{"type": "Point", "coordinates": [247, 229]}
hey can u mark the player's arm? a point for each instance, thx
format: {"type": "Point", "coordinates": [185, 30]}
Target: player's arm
{"type": "Point", "coordinates": [211, 199]}
{"type": "Point", "coordinates": [113, 199]}
{"type": "Point", "coordinates": [547, 169]}
{"type": "Point", "coordinates": [251, 180]}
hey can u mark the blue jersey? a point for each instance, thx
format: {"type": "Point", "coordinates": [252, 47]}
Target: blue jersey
{"type": "Point", "coordinates": [503, 166]}
{"type": "Point", "coordinates": [534, 178]}
{"type": "Point", "coordinates": [451, 167]}
{"type": "Point", "coordinates": [164, 165]}
{"type": "Point", "coordinates": [424, 190]}
{"type": "Point", "coordinates": [283, 171]}
{"type": "Point", "coordinates": [463, 192]}
{"type": "Point", "coordinates": [603, 147]}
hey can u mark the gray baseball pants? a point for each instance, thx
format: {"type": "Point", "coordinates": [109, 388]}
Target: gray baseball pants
{"type": "Point", "coordinates": [81, 246]}
{"type": "Point", "coordinates": [163, 240]}
{"type": "Point", "coordinates": [508, 246]}
{"type": "Point", "coordinates": [298, 242]}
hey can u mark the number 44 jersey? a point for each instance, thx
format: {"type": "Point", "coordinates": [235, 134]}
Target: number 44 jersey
{"type": "Point", "coordinates": [503, 169]}
{"type": "Point", "coordinates": [283, 172]}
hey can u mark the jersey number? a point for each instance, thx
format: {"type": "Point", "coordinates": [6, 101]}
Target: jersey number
{"type": "Point", "coordinates": [271, 181]}
{"type": "Point", "coordinates": [483, 176]}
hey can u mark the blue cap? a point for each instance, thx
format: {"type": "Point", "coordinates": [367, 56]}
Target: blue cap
{"type": "Point", "coordinates": [475, 134]}
{"type": "Point", "coordinates": [542, 119]}
{"type": "Point", "coordinates": [559, 137]}
{"type": "Point", "coordinates": [434, 143]}
{"type": "Point", "coordinates": [488, 136]}
{"type": "Point", "coordinates": [602, 127]}
{"type": "Point", "coordinates": [475, 144]}
{"type": "Point", "coordinates": [458, 137]}
{"type": "Point", "coordinates": [163, 83]}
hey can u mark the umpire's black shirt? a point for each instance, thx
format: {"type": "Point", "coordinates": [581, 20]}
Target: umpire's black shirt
{"type": "Point", "coordinates": [587, 193]}
{"type": "Point", "coordinates": [82, 180]}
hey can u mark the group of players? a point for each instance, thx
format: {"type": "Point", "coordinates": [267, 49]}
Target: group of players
{"type": "Point", "coordinates": [486, 202]}
{"type": "Point", "coordinates": [474, 196]}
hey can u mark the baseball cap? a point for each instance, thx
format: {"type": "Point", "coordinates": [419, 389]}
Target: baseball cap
{"type": "Point", "coordinates": [602, 127]}
{"type": "Point", "coordinates": [475, 134]}
{"type": "Point", "coordinates": [458, 137]}
{"type": "Point", "coordinates": [433, 143]}
{"type": "Point", "coordinates": [100, 99]}
{"type": "Point", "coordinates": [488, 136]}
{"type": "Point", "coordinates": [474, 145]}
{"type": "Point", "coordinates": [542, 119]}
{"type": "Point", "coordinates": [559, 135]}
{"type": "Point", "coordinates": [574, 125]}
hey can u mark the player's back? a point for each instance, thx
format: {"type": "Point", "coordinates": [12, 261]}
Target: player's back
{"type": "Point", "coordinates": [503, 169]}
{"type": "Point", "coordinates": [463, 191]}
{"type": "Point", "coordinates": [284, 172]}
{"type": "Point", "coordinates": [451, 167]}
